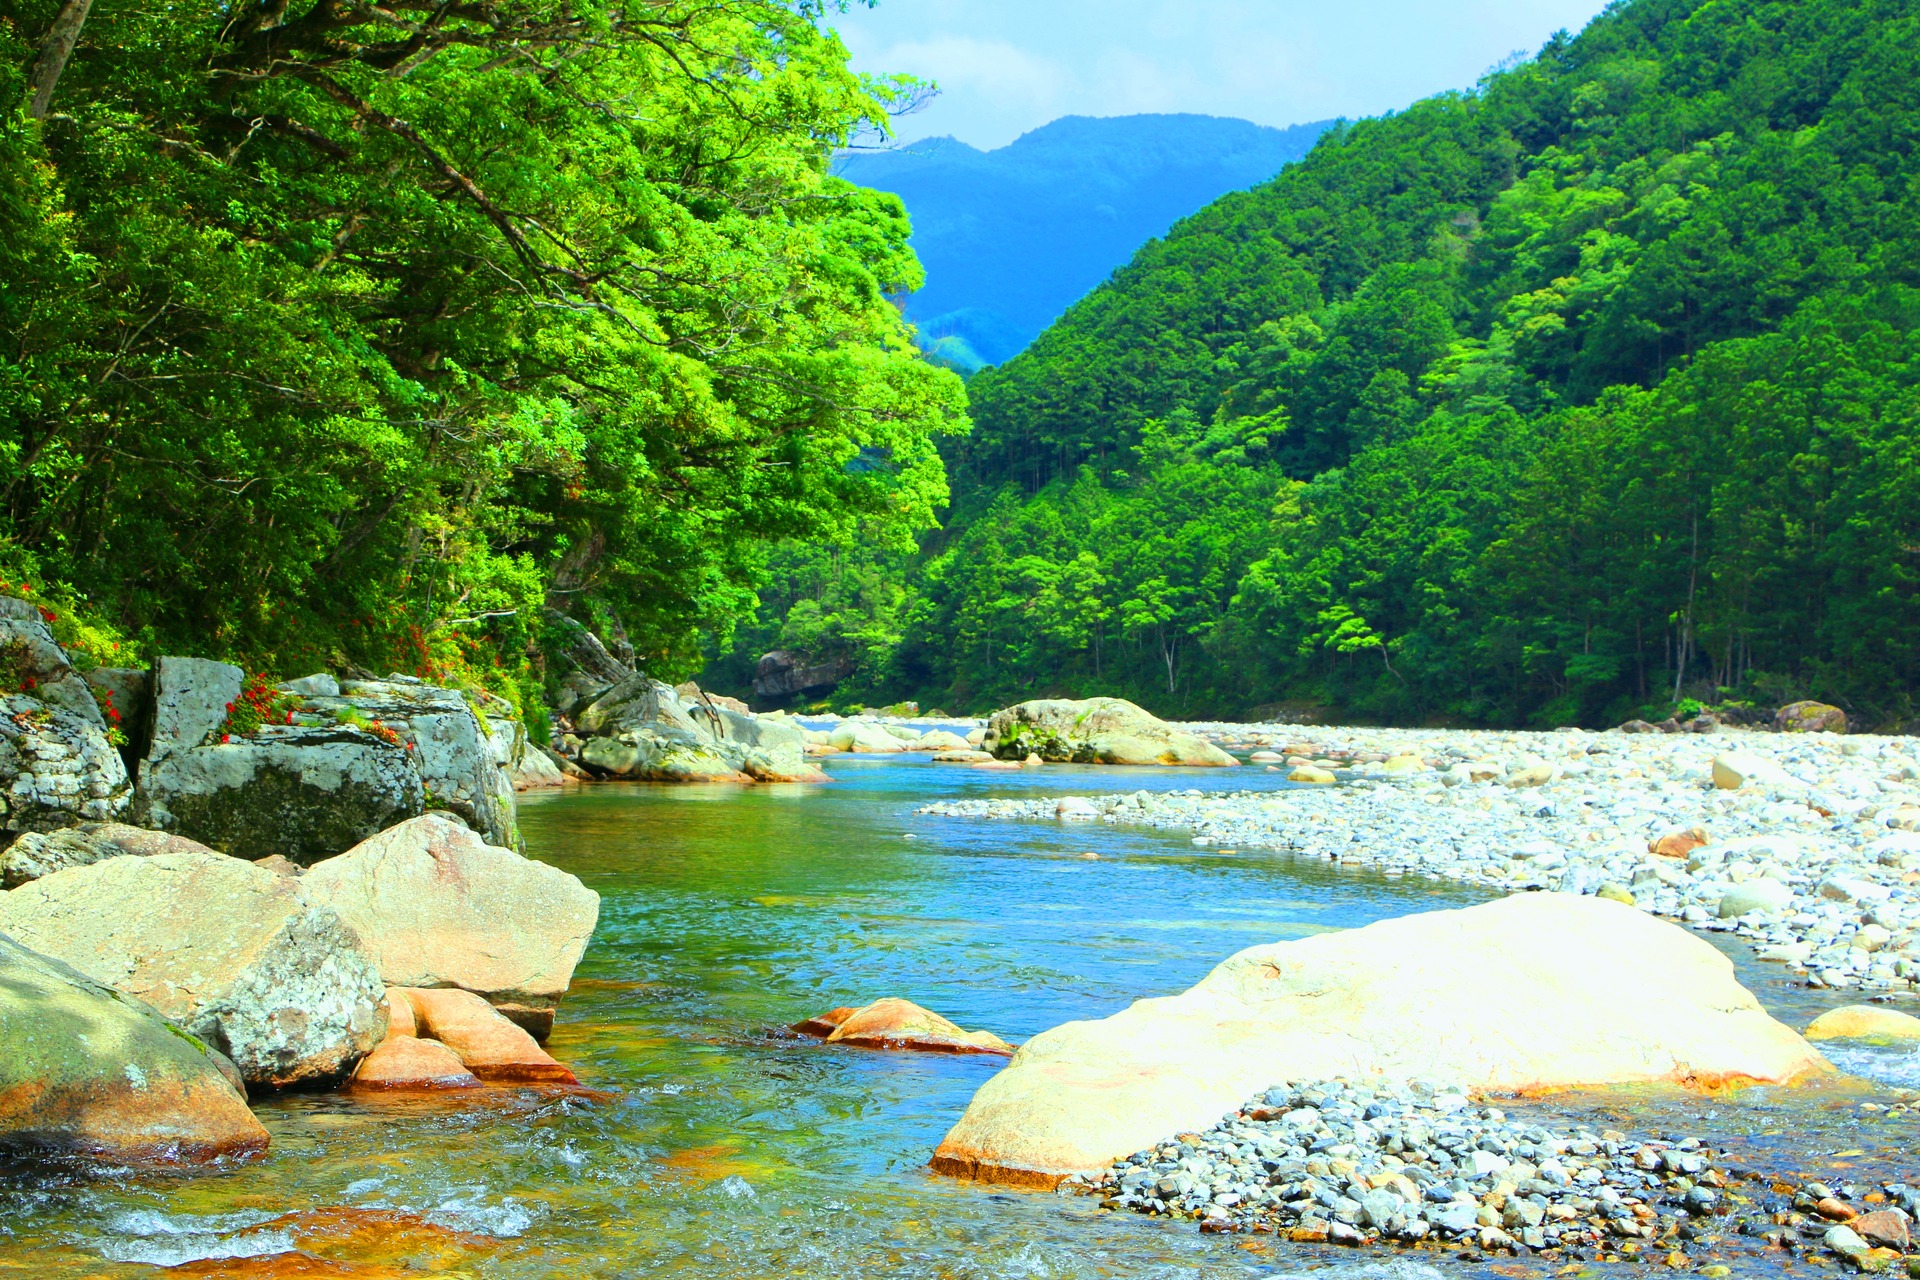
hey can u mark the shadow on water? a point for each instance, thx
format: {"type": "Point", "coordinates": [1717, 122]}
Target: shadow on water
{"type": "Point", "coordinates": [726, 1149]}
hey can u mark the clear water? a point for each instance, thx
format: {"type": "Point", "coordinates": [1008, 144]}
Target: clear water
{"type": "Point", "coordinates": [720, 1148]}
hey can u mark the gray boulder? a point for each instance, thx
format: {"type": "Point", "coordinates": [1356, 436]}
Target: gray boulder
{"type": "Point", "coordinates": [306, 793]}
{"type": "Point", "coordinates": [768, 750]}
{"type": "Point", "coordinates": [785, 673]}
{"type": "Point", "coordinates": [56, 768]}
{"type": "Point", "coordinates": [30, 655]}
{"type": "Point", "coordinates": [1095, 731]}
{"type": "Point", "coordinates": [640, 729]}
{"type": "Point", "coordinates": [38, 853]}
{"type": "Point", "coordinates": [226, 949]}
{"type": "Point", "coordinates": [90, 1072]}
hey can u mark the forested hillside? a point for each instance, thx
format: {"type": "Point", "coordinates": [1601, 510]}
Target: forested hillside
{"type": "Point", "coordinates": [341, 334]}
{"type": "Point", "coordinates": [1012, 237]}
{"type": "Point", "coordinates": [1550, 402]}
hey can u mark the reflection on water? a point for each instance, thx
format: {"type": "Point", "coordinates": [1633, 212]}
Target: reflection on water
{"type": "Point", "coordinates": [722, 1148]}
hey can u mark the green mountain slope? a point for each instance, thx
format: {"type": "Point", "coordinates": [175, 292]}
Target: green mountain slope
{"type": "Point", "coordinates": [1591, 389]}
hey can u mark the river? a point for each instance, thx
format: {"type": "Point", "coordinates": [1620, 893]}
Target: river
{"type": "Point", "coordinates": [716, 1147]}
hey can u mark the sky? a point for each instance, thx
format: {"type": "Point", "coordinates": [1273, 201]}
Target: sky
{"type": "Point", "coordinates": [1007, 66]}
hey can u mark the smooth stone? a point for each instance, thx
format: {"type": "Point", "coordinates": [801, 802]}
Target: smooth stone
{"type": "Point", "coordinates": [90, 1072]}
{"type": "Point", "coordinates": [1865, 1022]}
{"type": "Point", "coordinates": [439, 906]}
{"type": "Point", "coordinates": [892, 1023]}
{"type": "Point", "coordinates": [1381, 1000]}
{"type": "Point", "coordinates": [223, 947]}
{"type": "Point", "coordinates": [406, 1062]}
{"type": "Point", "coordinates": [1755, 895]}
{"type": "Point", "coordinates": [1096, 731]}
{"type": "Point", "coordinates": [492, 1048]}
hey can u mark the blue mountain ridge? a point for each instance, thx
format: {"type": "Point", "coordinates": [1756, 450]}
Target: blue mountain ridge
{"type": "Point", "coordinates": [1011, 238]}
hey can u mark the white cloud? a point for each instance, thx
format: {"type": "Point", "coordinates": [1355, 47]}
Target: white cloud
{"type": "Point", "coordinates": [1006, 66]}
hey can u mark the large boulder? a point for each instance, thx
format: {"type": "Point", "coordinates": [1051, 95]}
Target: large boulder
{"type": "Point", "coordinates": [440, 907]}
{"type": "Point", "coordinates": [1534, 991]}
{"type": "Point", "coordinates": [37, 853]}
{"type": "Point", "coordinates": [454, 747]}
{"type": "Point", "coordinates": [88, 1071]}
{"type": "Point", "coordinates": [640, 729]}
{"type": "Point", "coordinates": [784, 673]}
{"type": "Point", "coordinates": [866, 737]}
{"type": "Point", "coordinates": [305, 793]}
{"type": "Point", "coordinates": [1096, 731]}
{"type": "Point", "coordinates": [57, 767]}
{"type": "Point", "coordinates": [1810, 717]}
{"type": "Point", "coordinates": [350, 760]}
{"type": "Point", "coordinates": [225, 948]}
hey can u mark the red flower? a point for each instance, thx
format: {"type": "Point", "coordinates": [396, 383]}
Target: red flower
{"type": "Point", "coordinates": [47, 613]}
{"type": "Point", "coordinates": [226, 737]}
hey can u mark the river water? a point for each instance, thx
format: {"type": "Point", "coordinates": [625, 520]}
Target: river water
{"type": "Point", "coordinates": [716, 1147]}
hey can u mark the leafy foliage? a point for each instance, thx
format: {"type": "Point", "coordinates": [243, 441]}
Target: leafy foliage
{"type": "Point", "coordinates": [349, 333]}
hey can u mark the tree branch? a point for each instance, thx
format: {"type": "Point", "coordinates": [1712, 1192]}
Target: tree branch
{"type": "Point", "coordinates": [54, 52]}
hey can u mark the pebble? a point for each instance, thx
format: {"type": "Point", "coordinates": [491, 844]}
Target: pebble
{"type": "Point", "coordinates": [1424, 1164]}
{"type": "Point", "coordinates": [1814, 856]}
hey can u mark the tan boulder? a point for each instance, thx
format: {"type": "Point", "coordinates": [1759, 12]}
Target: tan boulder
{"type": "Point", "coordinates": [1095, 731]}
{"type": "Point", "coordinates": [440, 907]}
{"type": "Point", "coordinates": [88, 1071]}
{"type": "Point", "coordinates": [487, 1044]}
{"type": "Point", "coordinates": [893, 1023]}
{"type": "Point", "coordinates": [1590, 992]}
{"type": "Point", "coordinates": [41, 853]}
{"type": "Point", "coordinates": [225, 948]}
{"type": "Point", "coordinates": [1312, 774]}
{"type": "Point", "coordinates": [1865, 1022]}
{"type": "Point", "coordinates": [407, 1062]}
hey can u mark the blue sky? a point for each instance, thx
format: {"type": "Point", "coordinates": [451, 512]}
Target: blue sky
{"type": "Point", "coordinates": [1007, 66]}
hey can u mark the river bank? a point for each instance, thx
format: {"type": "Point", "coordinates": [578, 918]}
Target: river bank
{"type": "Point", "coordinates": [1813, 856]}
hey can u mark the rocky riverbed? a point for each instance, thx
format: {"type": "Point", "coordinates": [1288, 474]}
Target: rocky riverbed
{"type": "Point", "coordinates": [1422, 1163]}
{"type": "Point", "coordinates": [1808, 845]}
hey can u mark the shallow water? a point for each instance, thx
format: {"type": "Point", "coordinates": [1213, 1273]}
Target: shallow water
{"type": "Point", "coordinates": [720, 1148]}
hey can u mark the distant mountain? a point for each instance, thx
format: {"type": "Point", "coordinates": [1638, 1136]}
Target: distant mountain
{"type": "Point", "coordinates": [1011, 238]}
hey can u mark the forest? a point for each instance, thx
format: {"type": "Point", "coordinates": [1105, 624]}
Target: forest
{"type": "Point", "coordinates": [1589, 392]}
{"type": "Point", "coordinates": [340, 334]}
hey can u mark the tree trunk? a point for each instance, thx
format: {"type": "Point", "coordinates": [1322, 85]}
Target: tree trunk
{"type": "Point", "coordinates": [54, 52]}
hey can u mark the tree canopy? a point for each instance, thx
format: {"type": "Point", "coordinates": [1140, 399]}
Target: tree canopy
{"type": "Point", "coordinates": [355, 332]}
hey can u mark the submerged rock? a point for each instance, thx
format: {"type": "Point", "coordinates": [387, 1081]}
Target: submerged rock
{"type": "Point", "coordinates": [1096, 731]}
{"type": "Point", "coordinates": [1397, 999]}
{"type": "Point", "coordinates": [893, 1023]}
{"type": "Point", "coordinates": [222, 947]}
{"type": "Point", "coordinates": [440, 907]}
{"type": "Point", "coordinates": [90, 1072]}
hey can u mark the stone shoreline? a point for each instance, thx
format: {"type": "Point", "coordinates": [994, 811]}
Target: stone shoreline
{"type": "Point", "coordinates": [1811, 852]}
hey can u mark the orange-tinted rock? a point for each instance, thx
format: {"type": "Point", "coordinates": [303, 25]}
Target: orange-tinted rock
{"type": "Point", "coordinates": [404, 1062]}
{"type": "Point", "coordinates": [901, 1024]}
{"type": "Point", "coordinates": [355, 1244]}
{"type": "Point", "coordinates": [825, 1024]}
{"type": "Point", "coordinates": [1678, 844]}
{"type": "Point", "coordinates": [1884, 1227]}
{"type": "Point", "coordinates": [1834, 1210]}
{"type": "Point", "coordinates": [400, 1019]}
{"type": "Point", "coordinates": [491, 1047]}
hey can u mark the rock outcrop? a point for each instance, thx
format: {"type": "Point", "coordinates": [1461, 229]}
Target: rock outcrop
{"type": "Point", "coordinates": [1589, 992]}
{"type": "Point", "coordinates": [37, 854]}
{"type": "Point", "coordinates": [784, 674]}
{"type": "Point", "coordinates": [89, 1072]}
{"type": "Point", "coordinates": [224, 948]}
{"type": "Point", "coordinates": [57, 767]}
{"type": "Point", "coordinates": [641, 729]}
{"type": "Point", "coordinates": [440, 907]}
{"type": "Point", "coordinates": [1096, 731]}
{"type": "Point", "coordinates": [350, 760]}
